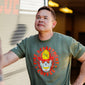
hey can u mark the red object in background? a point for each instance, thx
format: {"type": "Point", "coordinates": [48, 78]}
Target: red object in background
{"type": "Point", "coordinates": [10, 7]}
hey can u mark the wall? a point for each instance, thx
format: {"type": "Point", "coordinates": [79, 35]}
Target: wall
{"type": "Point", "coordinates": [79, 25]}
{"type": "Point", "coordinates": [29, 21]}
{"type": "Point", "coordinates": [8, 20]}
{"type": "Point", "coordinates": [15, 74]}
{"type": "Point", "coordinates": [61, 21]}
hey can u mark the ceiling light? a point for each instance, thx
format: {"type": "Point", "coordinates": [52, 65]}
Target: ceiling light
{"type": "Point", "coordinates": [53, 4]}
{"type": "Point", "coordinates": [66, 10]}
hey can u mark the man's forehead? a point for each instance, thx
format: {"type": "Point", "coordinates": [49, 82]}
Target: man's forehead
{"type": "Point", "coordinates": [43, 13]}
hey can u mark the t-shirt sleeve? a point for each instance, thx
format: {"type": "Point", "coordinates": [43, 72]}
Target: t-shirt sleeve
{"type": "Point", "coordinates": [19, 50]}
{"type": "Point", "coordinates": [76, 48]}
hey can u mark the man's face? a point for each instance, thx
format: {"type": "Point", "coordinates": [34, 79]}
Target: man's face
{"type": "Point", "coordinates": [44, 21]}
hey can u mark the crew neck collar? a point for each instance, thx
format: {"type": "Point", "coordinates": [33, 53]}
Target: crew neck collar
{"type": "Point", "coordinates": [48, 39]}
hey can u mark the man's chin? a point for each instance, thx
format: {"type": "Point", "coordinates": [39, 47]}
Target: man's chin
{"type": "Point", "coordinates": [40, 30]}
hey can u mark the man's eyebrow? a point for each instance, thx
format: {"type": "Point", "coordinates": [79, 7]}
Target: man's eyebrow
{"type": "Point", "coordinates": [45, 16]}
{"type": "Point", "coordinates": [39, 15]}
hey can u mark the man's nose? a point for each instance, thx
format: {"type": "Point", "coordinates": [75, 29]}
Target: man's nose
{"type": "Point", "coordinates": [41, 19]}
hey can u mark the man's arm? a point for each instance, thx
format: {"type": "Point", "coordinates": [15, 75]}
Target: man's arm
{"type": "Point", "coordinates": [81, 78]}
{"type": "Point", "coordinates": [9, 58]}
{"type": "Point", "coordinates": [6, 60]}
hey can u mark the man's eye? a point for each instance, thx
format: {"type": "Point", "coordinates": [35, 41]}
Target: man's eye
{"type": "Point", "coordinates": [38, 17]}
{"type": "Point", "coordinates": [45, 18]}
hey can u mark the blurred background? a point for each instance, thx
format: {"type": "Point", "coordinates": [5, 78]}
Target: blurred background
{"type": "Point", "coordinates": [17, 19]}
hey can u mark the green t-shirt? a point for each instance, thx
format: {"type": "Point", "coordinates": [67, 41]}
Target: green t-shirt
{"type": "Point", "coordinates": [49, 62]}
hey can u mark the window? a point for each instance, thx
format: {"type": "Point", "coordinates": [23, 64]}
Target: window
{"type": "Point", "coordinates": [31, 6]}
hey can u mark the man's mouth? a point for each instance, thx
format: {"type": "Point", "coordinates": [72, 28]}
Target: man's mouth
{"type": "Point", "coordinates": [40, 25]}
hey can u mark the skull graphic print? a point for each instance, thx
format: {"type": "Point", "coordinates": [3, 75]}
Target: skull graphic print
{"type": "Point", "coordinates": [45, 61]}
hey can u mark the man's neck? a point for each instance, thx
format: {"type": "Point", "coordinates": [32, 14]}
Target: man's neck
{"type": "Point", "coordinates": [45, 35]}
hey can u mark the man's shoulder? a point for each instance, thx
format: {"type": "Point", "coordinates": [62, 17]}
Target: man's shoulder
{"type": "Point", "coordinates": [62, 35]}
{"type": "Point", "coordinates": [32, 37]}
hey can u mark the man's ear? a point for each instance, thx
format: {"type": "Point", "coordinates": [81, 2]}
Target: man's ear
{"type": "Point", "coordinates": [54, 23]}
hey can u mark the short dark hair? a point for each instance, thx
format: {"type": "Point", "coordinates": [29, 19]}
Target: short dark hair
{"type": "Point", "coordinates": [49, 9]}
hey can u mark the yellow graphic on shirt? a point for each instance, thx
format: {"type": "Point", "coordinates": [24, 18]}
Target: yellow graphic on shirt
{"type": "Point", "coordinates": [45, 54]}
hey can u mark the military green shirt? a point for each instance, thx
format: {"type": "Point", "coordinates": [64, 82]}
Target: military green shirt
{"type": "Point", "coordinates": [49, 62]}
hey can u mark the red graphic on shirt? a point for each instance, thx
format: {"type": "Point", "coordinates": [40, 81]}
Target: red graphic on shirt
{"type": "Point", "coordinates": [45, 61]}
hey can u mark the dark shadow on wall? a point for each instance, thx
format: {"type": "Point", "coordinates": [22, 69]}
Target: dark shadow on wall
{"type": "Point", "coordinates": [18, 34]}
{"type": "Point", "coordinates": [75, 70]}
{"type": "Point", "coordinates": [81, 37]}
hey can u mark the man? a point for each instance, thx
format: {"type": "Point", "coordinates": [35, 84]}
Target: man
{"type": "Point", "coordinates": [48, 54]}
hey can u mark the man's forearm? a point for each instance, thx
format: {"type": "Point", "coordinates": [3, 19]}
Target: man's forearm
{"type": "Point", "coordinates": [81, 78]}
{"type": "Point", "coordinates": [9, 58]}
